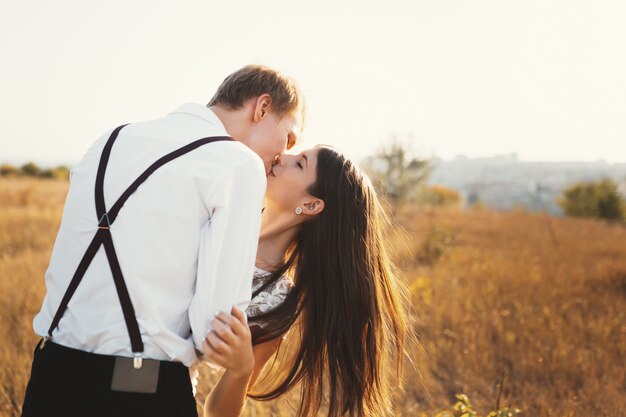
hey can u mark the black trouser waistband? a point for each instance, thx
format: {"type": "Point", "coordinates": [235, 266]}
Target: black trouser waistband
{"type": "Point", "coordinates": [63, 351]}
{"type": "Point", "coordinates": [73, 383]}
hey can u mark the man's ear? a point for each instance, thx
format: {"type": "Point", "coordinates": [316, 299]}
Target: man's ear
{"type": "Point", "coordinates": [262, 107]}
{"type": "Point", "coordinates": [313, 207]}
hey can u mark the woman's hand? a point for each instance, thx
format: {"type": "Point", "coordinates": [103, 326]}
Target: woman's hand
{"type": "Point", "coordinates": [229, 344]}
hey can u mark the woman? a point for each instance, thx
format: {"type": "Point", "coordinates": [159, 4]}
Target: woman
{"type": "Point", "coordinates": [322, 225]}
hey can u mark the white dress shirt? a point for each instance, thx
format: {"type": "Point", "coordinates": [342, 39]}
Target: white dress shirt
{"type": "Point", "coordinates": [186, 239]}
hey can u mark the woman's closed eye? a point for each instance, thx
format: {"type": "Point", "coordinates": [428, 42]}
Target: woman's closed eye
{"type": "Point", "coordinates": [299, 165]}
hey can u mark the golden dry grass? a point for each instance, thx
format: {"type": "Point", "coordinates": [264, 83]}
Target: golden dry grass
{"type": "Point", "coordinates": [507, 295]}
{"type": "Point", "coordinates": [542, 300]}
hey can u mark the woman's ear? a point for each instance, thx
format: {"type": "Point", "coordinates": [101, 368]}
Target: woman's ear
{"type": "Point", "coordinates": [313, 207]}
{"type": "Point", "coordinates": [263, 103]}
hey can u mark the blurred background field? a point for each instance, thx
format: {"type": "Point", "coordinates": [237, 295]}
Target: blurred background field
{"type": "Point", "coordinates": [516, 306]}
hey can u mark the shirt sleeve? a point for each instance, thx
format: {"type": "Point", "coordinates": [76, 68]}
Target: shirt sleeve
{"type": "Point", "coordinates": [228, 244]}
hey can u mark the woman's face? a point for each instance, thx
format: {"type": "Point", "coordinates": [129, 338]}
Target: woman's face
{"type": "Point", "coordinates": [289, 180]}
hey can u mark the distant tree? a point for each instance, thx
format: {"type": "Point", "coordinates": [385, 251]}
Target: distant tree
{"type": "Point", "coordinates": [439, 196]}
{"type": "Point", "coordinates": [31, 170]}
{"type": "Point", "coordinates": [60, 172]}
{"type": "Point", "coordinates": [600, 199]}
{"type": "Point", "coordinates": [396, 173]}
{"type": "Point", "coordinates": [8, 170]}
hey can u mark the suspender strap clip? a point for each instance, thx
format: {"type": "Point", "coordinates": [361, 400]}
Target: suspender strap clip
{"type": "Point", "coordinates": [138, 360]}
{"type": "Point", "coordinates": [43, 342]}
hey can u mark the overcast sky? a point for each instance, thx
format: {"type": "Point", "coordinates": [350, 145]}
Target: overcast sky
{"type": "Point", "coordinates": [542, 78]}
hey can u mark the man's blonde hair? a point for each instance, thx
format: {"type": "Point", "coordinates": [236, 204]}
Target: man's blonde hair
{"type": "Point", "coordinates": [255, 80]}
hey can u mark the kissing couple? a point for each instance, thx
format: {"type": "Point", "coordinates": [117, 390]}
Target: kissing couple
{"type": "Point", "coordinates": [196, 237]}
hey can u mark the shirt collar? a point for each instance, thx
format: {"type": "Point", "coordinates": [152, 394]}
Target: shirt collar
{"type": "Point", "coordinates": [202, 112]}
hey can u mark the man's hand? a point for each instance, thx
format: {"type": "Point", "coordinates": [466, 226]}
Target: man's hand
{"type": "Point", "coordinates": [229, 344]}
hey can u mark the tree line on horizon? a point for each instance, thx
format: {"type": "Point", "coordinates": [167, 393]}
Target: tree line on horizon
{"type": "Point", "coordinates": [33, 170]}
{"type": "Point", "coordinates": [401, 177]}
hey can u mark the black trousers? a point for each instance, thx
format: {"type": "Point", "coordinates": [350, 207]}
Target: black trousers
{"type": "Point", "coordinates": [66, 382]}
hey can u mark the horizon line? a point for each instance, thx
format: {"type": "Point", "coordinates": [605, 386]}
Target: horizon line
{"type": "Point", "coordinates": [512, 157]}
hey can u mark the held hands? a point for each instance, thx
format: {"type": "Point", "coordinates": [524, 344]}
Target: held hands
{"type": "Point", "coordinates": [229, 344]}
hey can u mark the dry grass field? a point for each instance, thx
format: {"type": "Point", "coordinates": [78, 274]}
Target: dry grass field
{"type": "Point", "coordinates": [536, 301]}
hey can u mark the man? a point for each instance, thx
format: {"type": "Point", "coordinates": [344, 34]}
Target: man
{"type": "Point", "coordinates": [130, 298]}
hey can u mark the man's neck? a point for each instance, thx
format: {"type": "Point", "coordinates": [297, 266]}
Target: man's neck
{"type": "Point", "coordinates": [232, 121]}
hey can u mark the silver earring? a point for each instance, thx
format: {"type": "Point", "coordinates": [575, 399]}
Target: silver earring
{"type": "Point", "coordinates": [298, 210]}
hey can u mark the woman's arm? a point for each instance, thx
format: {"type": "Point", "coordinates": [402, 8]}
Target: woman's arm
{"type": "Point", "coordinates": [229, 345]}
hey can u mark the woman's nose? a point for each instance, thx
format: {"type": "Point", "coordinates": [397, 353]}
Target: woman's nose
{"type": "Point", "coordinates": [287, 159]}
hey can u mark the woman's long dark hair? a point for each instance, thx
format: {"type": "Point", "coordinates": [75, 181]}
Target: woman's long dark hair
{"type": "Point", "coordinates": [346, 302]}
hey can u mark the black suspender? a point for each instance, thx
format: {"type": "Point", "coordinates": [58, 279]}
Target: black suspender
{"type": "Point", "coordinates": [104, 238]}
